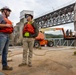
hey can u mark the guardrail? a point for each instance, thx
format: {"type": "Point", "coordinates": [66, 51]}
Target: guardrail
{"type": "Point", "coordinates": [62, 42]}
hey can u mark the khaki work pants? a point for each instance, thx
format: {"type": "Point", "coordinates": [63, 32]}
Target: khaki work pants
{"type": "Point", "coordinates": [28, 44]}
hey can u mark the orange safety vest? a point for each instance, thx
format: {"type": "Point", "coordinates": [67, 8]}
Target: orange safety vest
{"type": "Point", "coordinates": [8, 30]}
{"type": "Point", "coordinates": [28, 28]}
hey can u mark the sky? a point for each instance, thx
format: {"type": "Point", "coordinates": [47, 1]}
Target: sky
{"type": "Point", "coordinates": [40, 7]}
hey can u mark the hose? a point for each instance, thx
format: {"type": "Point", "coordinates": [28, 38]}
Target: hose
{"type": "Point", "coordinates": [28, 52]}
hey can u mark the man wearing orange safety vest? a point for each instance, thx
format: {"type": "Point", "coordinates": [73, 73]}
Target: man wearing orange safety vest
{"type": "Point", "coordinates": [6, 28]}
{"type": "Point", "coordinates": [30, 31]}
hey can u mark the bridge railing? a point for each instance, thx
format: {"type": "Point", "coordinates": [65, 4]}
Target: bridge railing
{"type": "Point", "coordinates": [62, 42]}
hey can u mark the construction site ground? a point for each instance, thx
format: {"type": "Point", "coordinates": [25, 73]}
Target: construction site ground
{"type": "Point", "coordinates": [46, 61]}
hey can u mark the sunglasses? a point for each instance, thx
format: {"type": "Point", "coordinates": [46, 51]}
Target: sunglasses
{"type": "Point", "coordinates": [26, 16]}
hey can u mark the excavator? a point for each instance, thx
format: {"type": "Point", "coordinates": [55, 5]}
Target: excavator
{"type": "Point", "coordinates": [41, 41]}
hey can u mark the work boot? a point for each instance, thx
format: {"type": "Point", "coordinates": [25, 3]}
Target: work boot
{"type": "Point", "coordinates": [7, 68]}
{"type": "Point", "coordinates": [29, 64]}
{"type": "Point", "coordinates": [22, 64]}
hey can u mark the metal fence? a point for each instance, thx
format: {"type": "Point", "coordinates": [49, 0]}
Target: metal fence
{"type": "Point", "coordinates": [62, 42]}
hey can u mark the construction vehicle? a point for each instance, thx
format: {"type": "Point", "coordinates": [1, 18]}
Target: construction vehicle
{"type": "Point", "coordinates": [70, 36]}
{"type": "Point", "coordinates": [40, 39]}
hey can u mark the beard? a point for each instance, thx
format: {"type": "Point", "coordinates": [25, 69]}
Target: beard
{"type": "Point", "coordinates": [7, 15]}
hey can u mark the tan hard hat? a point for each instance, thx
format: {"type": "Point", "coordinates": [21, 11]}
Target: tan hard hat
{"type": "Point", "coordinates": [5, 8]}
